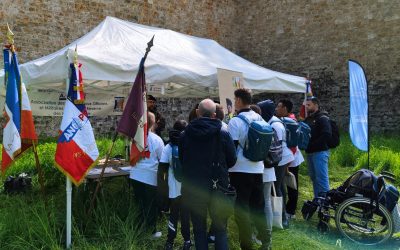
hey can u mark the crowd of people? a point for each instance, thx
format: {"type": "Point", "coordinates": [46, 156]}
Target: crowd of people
{"type": "Point", "coordinates": [202, 169]}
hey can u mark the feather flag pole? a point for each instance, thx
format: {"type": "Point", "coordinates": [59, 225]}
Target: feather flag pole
{"type": "Point", "coordinates": [133, 122]}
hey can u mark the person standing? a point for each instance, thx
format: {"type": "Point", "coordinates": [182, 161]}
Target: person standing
{"type": "Point", "coordinates": [318, 150]}
{"type": "Point", "coordinates": [247, 176]}
{"type": "Point", "coordinates": [159, 125]}
{"type": "Point", "coordinates": [166, 174]}
{"type": "Point", "coordinates": [144, 179]}
{"type": "Point", "coordinates": [206, 151]}
{"type": "Point", "coordinates": [284, 109]}
{"type": "Point", "coordinates": [267, 111]}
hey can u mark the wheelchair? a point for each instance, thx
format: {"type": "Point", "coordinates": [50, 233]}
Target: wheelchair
{"type": "Point", "coordinates": [360, 215]}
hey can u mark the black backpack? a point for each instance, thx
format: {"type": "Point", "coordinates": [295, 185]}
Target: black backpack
{"type": "Point", "coordinates": [334, 141]}
{"type": "Point", "coordinates": [274, 155]}
{"type": "Point", "coordinates": [363, 182]}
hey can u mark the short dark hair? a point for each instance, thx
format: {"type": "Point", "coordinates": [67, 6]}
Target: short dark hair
{"type": "Point", "coordinates": [244, 95]}
{"type": "Point", "coordinates": [314, 100]}
{"type": "Point", "coordinates": [219, 112]}
{"type": "Point", "coordinates": [152, 98]}
{"type": "Point", "coordinates": [180, 125]}
{"type": "Point", "coordinates": [287, 104]}
{"type": "Point", "coordinates": [255, 108]}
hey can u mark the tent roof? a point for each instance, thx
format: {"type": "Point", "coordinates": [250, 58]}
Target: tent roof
{"type": "Point", "coordinates": [111, 53]}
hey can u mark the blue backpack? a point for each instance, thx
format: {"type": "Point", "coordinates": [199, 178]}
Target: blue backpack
{"type": "Point", "coordinates": [176, 164]}
{"type": "Point", "coordinates": [259, 138]}
{"type": "Point", "coordinates": [304, 135]}
{"type": "Point", "coordinates": [292, 136]}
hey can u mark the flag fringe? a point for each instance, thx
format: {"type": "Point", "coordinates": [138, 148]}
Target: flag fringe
{"type": "Point", "coordinates": [79, 182]}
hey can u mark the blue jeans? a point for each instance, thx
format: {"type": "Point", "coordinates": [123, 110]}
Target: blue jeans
{"type": "Point", "coordinates": [318, 172]}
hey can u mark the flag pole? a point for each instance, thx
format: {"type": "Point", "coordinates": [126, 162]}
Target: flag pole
{"type": "Point", "coordinates": [68, 190]}
{"type": "Point", "coordinates": [10, 38]}
{"type": "Point", "coordinates": [69, 212]}
{"type": "Point", "coordinates": [102, 174]}
{"type": "Point", "coordinates": [149, 45]}
{"type": "Point", "coordinates": [40, 172]}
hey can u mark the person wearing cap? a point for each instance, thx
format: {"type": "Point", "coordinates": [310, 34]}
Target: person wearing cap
{"type": "Point", "coordinates": [318, 150]}
{"type": "Point", "coordinates": [160, 121]}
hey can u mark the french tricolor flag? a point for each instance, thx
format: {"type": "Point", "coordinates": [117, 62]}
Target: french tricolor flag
{"type": "Point", "coordinates": [76, 151]}
{"type": "Point", "coordinates": [19, 131]}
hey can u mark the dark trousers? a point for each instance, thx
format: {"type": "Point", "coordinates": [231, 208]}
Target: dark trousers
{"type": "Point", "coordinates": [198, 202]}
{"type": "Point", "coordinates": [280, 188]}
{"type": "Point", "coordinates": [178, 211]}
{"type": "Point", "coordinates": [293, 194]}
{"type": "Point", "coordinates": [145, 198]}
{"type": "Point", "coordinates": [249, 207]}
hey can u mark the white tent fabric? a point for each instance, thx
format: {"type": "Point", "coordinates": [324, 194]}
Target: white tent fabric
{"type": "Point", "coordinates": [187, 65]}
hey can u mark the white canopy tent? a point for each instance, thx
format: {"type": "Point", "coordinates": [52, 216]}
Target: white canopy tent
{"type": "Point", "coordinates": [185, 65]}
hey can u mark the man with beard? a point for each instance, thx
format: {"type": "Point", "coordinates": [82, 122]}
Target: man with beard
{"type": "Point", "coordinates": [160, 121]}
{"type": "Point", "coordinates": [318, 149]}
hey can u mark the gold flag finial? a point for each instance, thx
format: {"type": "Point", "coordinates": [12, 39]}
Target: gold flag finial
{"type": "Point", "coordinates": [10, 35]}
{"type": "Point", "coordinates": [76, 55]}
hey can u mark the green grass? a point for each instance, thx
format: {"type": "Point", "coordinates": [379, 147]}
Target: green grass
{"type": "Point", "coordinates": [27, 222]}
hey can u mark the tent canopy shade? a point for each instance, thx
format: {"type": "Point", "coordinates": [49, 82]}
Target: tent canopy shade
{"type": "Point", "coordinates": [185, 65]}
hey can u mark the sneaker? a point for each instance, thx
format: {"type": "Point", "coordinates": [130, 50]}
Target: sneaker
{"type": "Point", "coordinates": [156, 235]}
{"type": "Point", "coordinates": [187, 245]}
{"type": "Point", "coordinates": [169, 246]}
{"type": "Point", "coordinates": [291, 216]}
{"type": "Point", "coordinates": [211, 239]}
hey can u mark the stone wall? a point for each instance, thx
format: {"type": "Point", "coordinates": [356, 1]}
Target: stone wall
{"type": "Point", "coordinates": [317, 37]}
{"type": "Point", "coordinates": [301, 37]}
{"type": "Point", "coordinates": [44, 26]}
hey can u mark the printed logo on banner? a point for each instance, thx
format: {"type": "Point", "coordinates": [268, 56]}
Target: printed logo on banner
{"type": "Point", "coordinates": [71, 130]}
{"type": "Point", "coordinates": [62, 97]}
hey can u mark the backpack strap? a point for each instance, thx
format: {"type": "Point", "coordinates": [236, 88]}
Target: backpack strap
{"type": "Point", "coordinates": [244, 118]}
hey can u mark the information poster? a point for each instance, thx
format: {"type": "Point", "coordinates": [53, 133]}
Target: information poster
{"type": "Point", "coordinates": [228, 82]}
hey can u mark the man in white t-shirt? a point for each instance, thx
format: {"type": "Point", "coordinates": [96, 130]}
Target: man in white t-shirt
{"type": "Point", "coordinates": [268, 109]}
{"type": "Point", "coordinates": [144, 179]}
{"type": "Point", "coordinates": [246, 176]}
{"type": "Point", "coordinates": [284, 109]}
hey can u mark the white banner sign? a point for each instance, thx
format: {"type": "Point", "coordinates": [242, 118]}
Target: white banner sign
{"type": "Point", "coordinates": [50, 102]}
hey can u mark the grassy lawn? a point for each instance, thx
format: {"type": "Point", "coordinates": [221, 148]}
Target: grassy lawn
{"type": "Point", "coordinates": [27, 222]}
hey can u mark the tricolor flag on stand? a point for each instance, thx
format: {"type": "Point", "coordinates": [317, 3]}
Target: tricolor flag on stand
{"type": "Point", "coordinates": [76, 151]}
{"type": "Point", "coordinates": [308, 93]}
{"type": "Point", "coordinates": [133, 122]}
{"type": "Point", "coordinates": [19, 131]}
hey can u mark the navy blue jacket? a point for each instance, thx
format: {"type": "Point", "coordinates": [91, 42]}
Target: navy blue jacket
{"type": "Point", "coordinates": [197, 152]}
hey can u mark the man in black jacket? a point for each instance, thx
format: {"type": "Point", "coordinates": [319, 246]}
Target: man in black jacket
{"type": "Point", "coordinates": [318, 150]}
{"type": "Point", "coordinates": [206, 152]}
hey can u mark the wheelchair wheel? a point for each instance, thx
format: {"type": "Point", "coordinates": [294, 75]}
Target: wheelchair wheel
{"type": "Point", "coordinates": [362, 223]}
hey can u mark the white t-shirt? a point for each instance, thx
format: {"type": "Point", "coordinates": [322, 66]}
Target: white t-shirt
{"type": "Point", "coordinates": [287, 154]}
{"type": "Point", "coordinates": [298, 159]}
{"type": "Point", "coordinates": [238, 130]}
{"type": "Point", "coordinates": [146, 169]}
{"type": "Point", "coordinates": [174, 186]}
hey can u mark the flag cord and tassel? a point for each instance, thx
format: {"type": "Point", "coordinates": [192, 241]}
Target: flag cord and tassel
{"type": "Point", "coordinates": [92, 201]}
